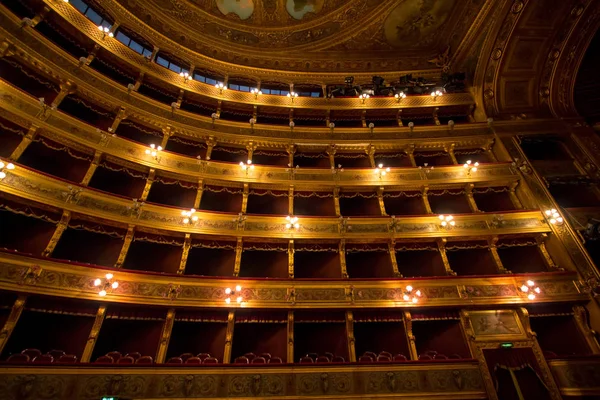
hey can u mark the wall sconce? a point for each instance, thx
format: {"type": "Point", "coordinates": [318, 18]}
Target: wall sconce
{"type": "Point", "coordinates": [214, 116]}
{"type": "Point", "coordinates": [411, 125]}
{"type": "Point", "coordinates": [292, 95]}
{"type": "Point", "coordinates": [130, 87]}
{"type": "Point", "coordinates": [411, 295]}
{"type": "Point", "coordinates": [381, 171]}
{"type": "Point", "coordinates": [337, 170]}
{"type": "Point", "coordinates": [490, 121]}
{"type": "Point", "coordinates": [236, 292]}
{"type": "Point", "coordinates": [106, 284]}
{"type": "Point", "coordinates": [530, 289]}
{"type": "Point", "coordinates": [153, 151]}
{"type": "Point", "coordinates": [470, 167]}
{"type": "Point", "coordinates": [105, 31]}
{"type": "Point", "coordinates": [371, 127]}
{"type": "Point", "coordinates": [9, 166]}
{"type": "Point", "coordinates": [252, 121]}
{"type": "Point", "coordinates": [363, 97]}
{"type": "Point", "coordinates": [247, 166]}
{"type": "Point", "coordinates": [451, 124]}
{"type": "Point", "coordinates": [399, 97]}
{"type": "Point", "coordinates": [189, 216]}
{"type": "Point", "coordinates": [221, 87]}
{"type": "Point", "coordinates": [426, 168]}
{"type": "Point", "coordinates": [186, 76]}
{"type": "Point", "coordinates": [292, 222]}
{"type": "Point", "coordinates": [554, 217]}
{"type": "Point", "coordinates": [256, 92]}
{"type": "Point", "coordinates": [447, 221]}
{"type": "Point", "coordinates": [292, 125]}
{"type": "Point", "coordinates": [174, 106]}
{"type": "Point", "coordinates": [435, 94]}
{"type": "Point", "coordinates": [331, 127]}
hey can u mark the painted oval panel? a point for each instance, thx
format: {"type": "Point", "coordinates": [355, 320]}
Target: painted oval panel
{"type": "Point", "coordinates": [299, 8]}
{"type": "Point", "coordinates": [414, 23]}
{"type": "Point", "coordinates": [242, 8]}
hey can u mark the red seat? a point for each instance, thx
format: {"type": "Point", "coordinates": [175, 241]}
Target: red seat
{"type": "Point", "coordinates": [314, 356]}
{"type": "Point", "coordinates": [32, 353]}
{"type": "Point", "coordinates": [259, 360]}
{"type": "Point", "coordinates": [440, 357]}
{"type": "Point", "coordinates": [18, 358]}
{"type": "Point", "coordinates": [175, 360]}
{"type": "Point", "coordinates": [275, 360]}
{"type": "Point", "coordinates": [431, 353]}
{"type": "Point", "coordinates": [425, 357]}
{"type": "Point", "coordinates": [386, 353]}
{"type": "Point", "coordinates": [105, 360]}
{"type": "Point", "coordinates": [144, 360]}
{"type": "Point", "coordinates": [250, 356]}
{"type": "Point", "coordinates": [400, 357]}
{"type": "Point", "coordinates": [365, 359]}
{"type": "Point", "coordinates": [56, 354]}
{"type": "Point", "coordinates": [371, 354]}
{"type": "Point", "coordinates": [43, 359]}
{"type": "Point", "coordinates": [329, 355]}
{"type": "Point", "coordinates": [455, 356]}
{"type": "Point", "coordinates": [203, 356]}
{"type": "Point", "coordinates": [193, 360]}
{"type": "Point", "coordinates": [125, 360]}
{"type": "Point", "coordinates": [323, 359]}
{"type": "Point", "coordinates": [266, 356]}
{"type": "Point", "coordinates": [185, 356]}
{"type": "Point", "coordinates": [338, 359]}
{"type": "Point", "coordinates": [306, 360]}
{"type": "Point", "coordinates": [115, 355]}
{"type": "Point", "coordinates": [135, 355]}
{"type": "Point", "coordinates": [383, 358]}
{"type": "Point", "coordinates": [67, 359]}
{"type": "Point", "coordinates": [210, 360]}
{"type": "Point", "coordinates": [242, 360]}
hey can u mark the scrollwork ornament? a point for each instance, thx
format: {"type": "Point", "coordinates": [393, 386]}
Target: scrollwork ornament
{"type": "Point", "coordinates": [517, 7]}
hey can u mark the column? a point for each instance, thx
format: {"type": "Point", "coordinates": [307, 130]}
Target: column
{"type": "Point", "coordinates": [351, 339]}
{"type": "Point", "coordinates": [450, 150]}
{"type": "Point", "coordinates": [291, 150]}
{"type": "Point", "coordinates": [426, 200]}
{"type": "Point", "coordinates": [66, 88]}
{"type": "Point", "coordinates": [187, 244]}
{"type": "Point", "coordinates": [380, 200]}
{"type": "Point", "coordinates": [93, 337]}
{"type": "Point", "coordinates": [140, 78]}
{"type": "Point", "coordinates": [239, 248]}
{"type": "Point", "coordinates": [291, 259]}
{"type": "Point", "coordinates": [229, 337]}
{"type": "Point", "coordinates": [370, 150]}
{"type": "Point", "coordinates": [392, 252]}
{"type": "Point", "coordinates": [469, 193]}
{"type": "Point", "coordinates": [39, 17]}
{"type": "Point", "coordinates": [336, 201]}
{"type": "Point", "coordinates": [513, 195]}
{"type": "Point", "coordinates": [250, 147]}
{"type": "Point", "coordinates": [167, 132]}
{"type": "Point", "coordinates": [331, 150]}
{"type": "Point", "coordinates": [435, 116]}
{"type": "Point", "coordinates": [11, 322]}
{"type": "Point", "coordinates": [245, 195]}
{"type": "Point", "coordinates": [60, 228]}
{"type": "Point", "coordinates": [92, 168]}
{"type": "Point", "coordinates": [25, 142]}
{"type": "Point", "coordinates": [412, 346]}
{"type": "Point", "coordinates": [342, 253]}
{"type": "Point", "coordinates": [291, 201]}
{"type": "Point", "coordinates": [441, 242]}
{"type": "Point", "coordinates": [399, 117]}
{"type": "Point", "coordinates": [410, 151]}
{"type": "Point", "coordinates": [149, 181]}
{"type": "Point", "coordinates": [165, 337]}
{"type": "Point", "coordinates": [583, 323]}
{"type": "Point", "coordinates": [488, 148]}
{"type": "Point", "coordinates": [495, 256]}
{"type": "Point", "coordinates": [210, 145]}
{"type": "Point", "coordinates": [290, 337]}
{"type": "Point", "coordinates": [541, 244]}
{"type": "Point", "coordinates": [126, 243]}
{"type": "Point", "coordinates": [199, 192]}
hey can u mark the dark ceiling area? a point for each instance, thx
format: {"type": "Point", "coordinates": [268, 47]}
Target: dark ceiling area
{"type": "Point", "coordinates": [587, 85]}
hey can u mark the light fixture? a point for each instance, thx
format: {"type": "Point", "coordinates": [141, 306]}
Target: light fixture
{"type": "Point", "coordinates": [411, 295]}
{"type": "Point", "coordinates": [363, 97]}
{"type": "Point", "coordinates": [337, 170]}
{"type": "Point", "coordinates": [153, 151]}
{"type": "Point", "coordinates": [256, 92]}
{"type": "Point", "coordinates": [186, 76]}
{"type": "Point", "coordinates": [451, 124]}
{"type": "Point", "coordinates": [292, 96]}
{"type": "Point", "coordinates": [246, 166]}
{"type": "Point", "coordinates": [106, 284]}
{"type": "Point", "coordinates": [400, 96]}
{"type": "Point", "coordinates": [411, 125]}
{"type": "Point", "coordinates": [292, 125]}
{"type": "Point", "coordinates": [8, 166]}
{"type": "Point", "coordinates": [292, 222]}
{"type": "Point", "coordinates": [436, 93]}
{"type": "Point", "coordinates": [214, 116]}
{"type": "Point", "coordinates": [530, 289]}
{"type": "Point", "coordinates": [447, 221]}
{"type": "Point", "coordinates": [221, 87]}
{"type": "Point", "coordinates": [252, 121]}
{"type": "Point", "coordinates": [426, 168]}
{"type": "Point", "coordinates": [470, 166]}
{"type": "Point", "coordinates": [554, 217]}
{"type": "Point", "coordinates": [331, 126]}
{"type": "Point", "coordinates": [381, 171]}
{"type": "Point", "coordinates": [234, 293]}
{"type": "Point", "coordinates": [105, 31]}
{"type": "Point", "coordinates": [371, 127]}
{"type": "Point", "coordinates": [189, 216]}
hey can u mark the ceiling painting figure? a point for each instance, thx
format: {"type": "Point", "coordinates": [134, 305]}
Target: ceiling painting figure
{"type": "Point", "coordinates": [242, 8]}
{"type": "Point", "coordinates": [299, 8]}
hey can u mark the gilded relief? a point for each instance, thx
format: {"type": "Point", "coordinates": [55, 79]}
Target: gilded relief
{"type": "Point", "coordinates": [415, 23]}
{"type": "Point", "coordinates": [242, 8]}
{"type": "Point", "coordinates": [299, 8]}
{"type": "Point", "coordinates": [486, 323]}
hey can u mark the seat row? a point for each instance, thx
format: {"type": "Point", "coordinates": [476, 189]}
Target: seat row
{"type": "Point", "coordinates": [310, 358]}
{"type": "Point", "coordinates": [190, 358]}
{"type": "Point", "coordinates": [384, 356]}
{"type": "Point", "coordinates": [263, 358]}
{"type": "Point", "coordinates": [36, 356]}
{"type": "Point", "coordinates": [115, 357]}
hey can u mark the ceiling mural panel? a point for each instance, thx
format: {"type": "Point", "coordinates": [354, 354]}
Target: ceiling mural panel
{"type": "Point", "coordinates": [242, 8]}
{"type": "Point", "coordinates": [299, 8]}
